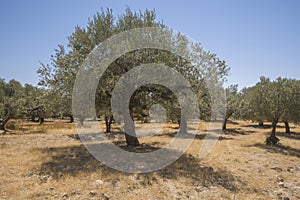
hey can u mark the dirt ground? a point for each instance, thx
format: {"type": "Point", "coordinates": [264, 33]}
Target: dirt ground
{"type": "Point", "coordinates": [49, 162]}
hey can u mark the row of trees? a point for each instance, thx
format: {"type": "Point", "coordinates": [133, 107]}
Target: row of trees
{"type": "Point", "coordinates": [267, 101]}
{"type": "Point", "coordinates": [28, 102]}
{"type": "Point", "coordinates": [18, 101]}
{"type": "Point", "coordinates": [272, 101]}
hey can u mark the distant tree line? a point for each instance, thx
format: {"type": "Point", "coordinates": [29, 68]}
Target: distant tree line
{"type": "Point", "coordinates": [27, 102]}
{"type": "Point", "coordinates": [17, 101]}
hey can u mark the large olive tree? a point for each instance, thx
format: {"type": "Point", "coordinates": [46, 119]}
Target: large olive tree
{"type": "Point", "coordinates": [59, 76]}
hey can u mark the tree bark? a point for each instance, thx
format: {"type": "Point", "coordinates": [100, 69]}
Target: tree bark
{"type": "Point", "coordinates": [272, 139]}
{"type": "Point", "coordinates": [287, 127]}
{"type": "Point", "coordinates": [108, 123]}
{"type": "Point", "coordinates": [225, 124]}
{"type": "Point", "coordinates": [4, 122]}
{"type": "Point", "coordinates": [41, 120]}
{"type": "Point", "coordinates": [35, 113]}
{"type": "Point", "coordinates": [274, 124]}
{"type": "Point", "coordinates": [42, 114]}
{"type": "Point", "coordinates": [129, 128]}
{"type": "Point", "coordinates": [71, 119]}
{"type": "Point", "coordinates": [224, 127]}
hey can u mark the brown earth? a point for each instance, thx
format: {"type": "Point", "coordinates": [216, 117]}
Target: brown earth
{"type": "Point", "coordinates": [49, 162]}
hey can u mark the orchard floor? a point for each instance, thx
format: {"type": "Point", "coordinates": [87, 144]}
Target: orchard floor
{"type": "Point", "coordinates": [49, 162]}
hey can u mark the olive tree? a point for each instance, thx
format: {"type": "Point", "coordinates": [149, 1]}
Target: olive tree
{"type": "Point", "coordinates": [233, 103]}
{"type": "Point", "coordinates": [275, 101]}
{"type": "Point", "coordinates": [16, 101]}
{"type": "Point", "coordinates": [59, 76]}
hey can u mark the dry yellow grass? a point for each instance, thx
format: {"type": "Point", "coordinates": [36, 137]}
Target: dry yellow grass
{"type": "Point", "coordinates": [48, 162]}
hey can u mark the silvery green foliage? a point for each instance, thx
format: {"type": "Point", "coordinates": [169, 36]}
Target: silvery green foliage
{"type": "Point", "coordinates": [60, 74]}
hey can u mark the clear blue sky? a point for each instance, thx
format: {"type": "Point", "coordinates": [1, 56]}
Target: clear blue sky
{"type": "Point", "coordinates": [255, 38]}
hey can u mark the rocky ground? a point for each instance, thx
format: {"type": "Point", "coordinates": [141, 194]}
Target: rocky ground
{"type": "Point", "coordinates": [49, 162]}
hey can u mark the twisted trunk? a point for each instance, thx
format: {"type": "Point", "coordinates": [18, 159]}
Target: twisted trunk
{"type": "Point", "coordinates": [71, 119]}
{"type": "Point", "coordinates": [4, 121]}
{"type": "Point", "coordinates": [287, 127]}
{"type": "Point", "coordinates": [224, 127]}
{"type": "Point", "coordinates": [272, 139]}
{"type": "Point", "coordinates": [130, 134]}
{"type": "Point", "coordinates": [108, 122]}
{"type": "Point", "coordinates": [41, 120]}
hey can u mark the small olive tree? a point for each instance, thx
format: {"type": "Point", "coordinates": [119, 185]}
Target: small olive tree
{"type": "Point", "coordinates": [275, 101]}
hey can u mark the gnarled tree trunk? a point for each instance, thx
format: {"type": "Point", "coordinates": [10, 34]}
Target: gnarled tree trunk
{"type": "Point", "coordinates": [40, 113]}
{"type": "Point", "coordinates": [108, 122]}
{"type": "Point", "coordinates": [4, 122]}
{"type": "Point", "coordinates": [224, 127]}
{"type": "Point", "coordinates": [272, 139]}
{"type": "Point", "coordinates": [287, 127]}
{"type": "Point", "coordinates": [130, 135]}
{"type": "Point", "coordinates": [41, 119]}
{"type": "Point", "coordinates": [71, 118]}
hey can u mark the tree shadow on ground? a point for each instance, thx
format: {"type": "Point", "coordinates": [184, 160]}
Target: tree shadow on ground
{"type": "Point", "coordinates": [113, 134]}
{"type": "Point", "coordinates": [209, 136]}
{"type": "Point", "coordinates": [292, 135]}
{"type": "Point", "coordinates": [280, 149]}
{"type": "Point", "coordinates": [265, 126]}
{"type": "Point", "coordinates": [199, 136]}
{"type": "Point", "coordinates": [237, 131]}
{"type": "Point", "coordinates": [73, 160]}
{"type": "Point", "coordinates": [8, 132]}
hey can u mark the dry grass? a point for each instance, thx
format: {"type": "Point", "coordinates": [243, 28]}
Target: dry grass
{"type": "Point", "coordinates": [48, 162]}
{"type": "Point", "coordinates": [48, 127]}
